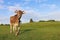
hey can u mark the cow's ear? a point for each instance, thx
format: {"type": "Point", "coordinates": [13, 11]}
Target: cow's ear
{"type": "Point", "coordinates": [23, 12]}
{"type": "Point", "coordinates": [15, 11]}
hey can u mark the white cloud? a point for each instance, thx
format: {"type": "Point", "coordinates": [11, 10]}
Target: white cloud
{"type": "Point", "coordinates": [14, 7]}
{"type": "Point", "coordinates": [31, 13]}
{"type": "Point", "coordinates": [36, 15]}
{"type": "Point", "coordinates": [27, 0]}
{"type": "Point", "coordinates": [51, 6]}
{"type": "Point", "coordinates": [51, 16]}
{"type": "Point", "coordinates": [1, 1]}
{"type": "Point", "coordinates": [4, 20]}
{"type": "Point", "coordinates": [55, 15]}
{"type": "Point", "coordinates": [2, 6]}
{"type": "Point", "coordinates": [36, 0]}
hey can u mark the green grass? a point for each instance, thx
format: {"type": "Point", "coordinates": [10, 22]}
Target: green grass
{"type": "Point", "coordinates": [33, 31]}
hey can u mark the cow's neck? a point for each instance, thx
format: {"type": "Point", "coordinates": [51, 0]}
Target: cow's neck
{"type": "Point", "coordinates": [18, 16]}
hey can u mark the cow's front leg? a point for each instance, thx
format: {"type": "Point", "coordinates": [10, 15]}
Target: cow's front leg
{"type": "Point", "coordinates": [11, 27]}
{"type": "Point", "coordinates": [18, 29]}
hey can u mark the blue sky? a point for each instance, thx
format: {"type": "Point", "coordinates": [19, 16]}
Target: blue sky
{"type": "Point", "coordinates": [35, 9]}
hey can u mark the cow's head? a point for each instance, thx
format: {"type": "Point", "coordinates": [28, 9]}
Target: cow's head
{"type": "Point", "coordinates": [19, 12]}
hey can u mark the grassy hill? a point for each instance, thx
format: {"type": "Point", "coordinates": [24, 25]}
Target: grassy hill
{"type": "Point", "coordinates": [33, 31]}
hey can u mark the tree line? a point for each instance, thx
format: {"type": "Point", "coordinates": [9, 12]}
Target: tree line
{"type": "Point", "coordinates": [31, 20]}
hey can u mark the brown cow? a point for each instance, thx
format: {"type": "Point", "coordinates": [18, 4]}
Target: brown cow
{"type": "Point", "coordinates": [15, 22]}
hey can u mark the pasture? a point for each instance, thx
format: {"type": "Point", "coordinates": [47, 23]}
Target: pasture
{"type": "Point", "coordinates": [33, 31]}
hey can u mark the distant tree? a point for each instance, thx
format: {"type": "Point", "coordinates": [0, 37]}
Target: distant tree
{"type": "Point", "coordinates": [31, 20]}
{"type": "Point", "coordinates": [51, 21]}
{"type": "Point", "coordinates": [7, 24]}
{"type": "Point", "coordinates": [2, 24]}
{"type": "Point", "coordinates": [42, 21]}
